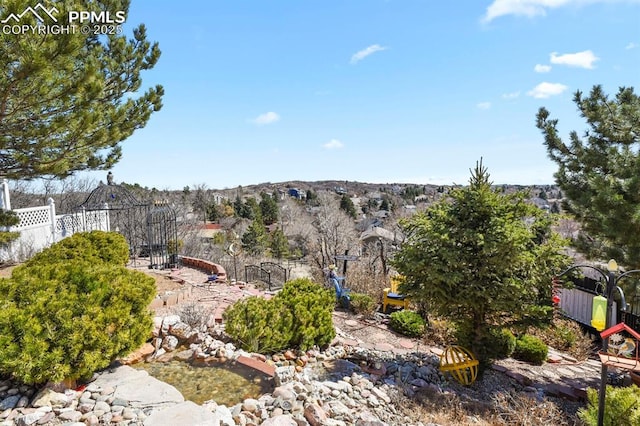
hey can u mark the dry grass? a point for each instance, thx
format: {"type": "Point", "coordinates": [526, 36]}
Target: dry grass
{"type": "Point", "coordinates": [500, 409]}
{"type": "Point", "coordinates": [567, 336]}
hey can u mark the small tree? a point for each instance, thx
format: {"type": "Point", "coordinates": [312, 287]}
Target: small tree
{"type": "Point", "coordinates": [268, 208]}
{"type": "Point", "coordinates": [254, 240]}
{"type": "Point", "coordinates": [481, 259]}
{"type": "Point", "coordinates": [347, 205]}
{"type": "Point", "coordinates": [278, 244]}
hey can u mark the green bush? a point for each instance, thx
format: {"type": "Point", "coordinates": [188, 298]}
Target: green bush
{"type": "Point", "coordinates": [66, 320]}
{"type": "Point", "coordinates": [259, 325]}
{"type": "Point", "coordinates": [300, 316]}
{"type": "Point", "coordinates": [92, 247]}
{"type": "Point", "coordinates": [362, 304]}
{"type": "Point", "coordinates": [502, 343]}
{"type": "Point", "coordinates": [621, 407]}
{"type": "Point", "coordinates": [531, 349]}
{"type": "Point", "coordinates": [312, 309]}
{"type": "Point", "coordinates": [408, 323]}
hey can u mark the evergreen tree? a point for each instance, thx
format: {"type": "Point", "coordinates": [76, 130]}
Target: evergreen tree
{"type": "Point", "coordinates": [481, 258]}
{"type": "Point", "coordinates": [268, 208]}
{"type": "Point", "coordinates": [254, 240]}
{"type": "Point", "coordinates": [278, 244]}
{"type": "Point", "coordinates": [68, 100]}
{"type": "Point", "coordinates": [347, 205]}
{"type": "Point", "coordinates": [384, 205]}
{"type": "Point", "coordinates": [599, 173]}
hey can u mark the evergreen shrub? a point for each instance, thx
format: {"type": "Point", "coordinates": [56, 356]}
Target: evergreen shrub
{"type": "Point", "coordinates": [502, 343]}
{"type": "Point", "coordinates": [362, 303]}
{"type": "Point", "coordinates": [312, 308]}
{"type": "Point", "coordinates": [92, 247]}
{"type": "Point", "coordinates": [531, 349]}
{"type": "Point", "coordinates": [300, 316]}
{"type": "Point", "coordinates": [408, 323]}
{"type": "Point", "coordinates": [65, 320]}
{"type": "Point", "coordinates": [259, 325]}
{"type": "Point", "coordinates": [621, 407]}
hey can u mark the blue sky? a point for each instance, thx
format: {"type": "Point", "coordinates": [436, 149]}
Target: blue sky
{"type": "Point", "coordinates": [369, 90]}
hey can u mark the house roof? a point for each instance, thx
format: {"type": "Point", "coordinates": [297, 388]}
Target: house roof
{"type": "Point", "coordinates": [376, 232]}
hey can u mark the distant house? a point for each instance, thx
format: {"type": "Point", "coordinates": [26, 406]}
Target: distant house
{"type": "Point", "coordinates": [376, 233]}
{"type": "Point", "coordinates": [297, 193]}
{"type": "Point", "coordinates": [541, 203]}
{"type": "Point", "coordinates": [208, 231]}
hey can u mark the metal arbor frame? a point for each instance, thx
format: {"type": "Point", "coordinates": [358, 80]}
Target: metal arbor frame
{"type": "Point", "coordinates": [162, 236]}
{"type": "Point", "coordinates": [149, 230]}
{"type": "Point", "coordinates": [126, 214]}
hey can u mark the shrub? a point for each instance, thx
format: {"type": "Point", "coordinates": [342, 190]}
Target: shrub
{"type": "Point", "coordinates": [93, 247]}
{"type": "Point", "coordinates": [621, 407]}
{"type": "Point", "coordinates": [67, 320]}
{"type": "Point", "coordinates": [408, 323]}
{"type": "Point", "coordinates": [362, 304]}
{"type": "Point", "coordinates": [259, 325]}
{"type": "Point", "coordinates": [566, 335]}
{"type": "Point", "coordinates": [530, 349]}
{"type": "Point", "coordinates": [300, 316]}
{"type": "Point", "coordinates": [502, 343]}
{"type": "Point", "coordinates": [312, 309]}
{"type": "Point", "coordinates": [195, 315]}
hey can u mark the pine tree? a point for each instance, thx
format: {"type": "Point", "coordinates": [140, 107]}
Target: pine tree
{"type": "Point", "coordinates": [68, 100]}
{"type": "Point", "coordinates": [268, 208]}
{"type": "Point", "coordinates": [599, 173]}
{"type": "Point", "coordinates": [481, 258]}
{"type": "Point", "coordinates": [347, 205]}
{"type": "Point", "coordinates": [254, 240]}
{"type": "Point", "coordinates": [278, 244]}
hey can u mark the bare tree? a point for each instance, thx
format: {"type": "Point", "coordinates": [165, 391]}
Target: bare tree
{"type": "Point", "coordinates": [335, 231]}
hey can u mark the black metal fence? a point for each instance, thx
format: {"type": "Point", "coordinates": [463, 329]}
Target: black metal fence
{"type": "Point", "coordinates": [270, 273]}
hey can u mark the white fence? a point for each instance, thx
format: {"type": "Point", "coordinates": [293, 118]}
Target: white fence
{"type": "Point", "coordinates": [39, 227]}
{"type": "Point", "coordinates": [577, 304]}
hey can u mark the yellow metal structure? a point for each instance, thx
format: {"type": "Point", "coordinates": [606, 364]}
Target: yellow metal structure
{"type": "Point", "coordinates": [390, 295]}
{"type": "Point", "coordinates": [461, 363]}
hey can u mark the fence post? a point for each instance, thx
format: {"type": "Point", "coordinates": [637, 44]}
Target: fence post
{"type": "Point", "coordinates": [5, 201]}
{"type": "Point", "coordinates": [52, 214]}
{"type": "Point", "coordinates": [108, 223]}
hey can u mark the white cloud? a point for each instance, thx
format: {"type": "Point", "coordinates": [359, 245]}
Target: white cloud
{"type": "Point", "coordinates": [483, 105]}
{"type": "Point", "coordinates": [333, 144]}
{"type": "Point", "coordinates": [542, 68]}
{"type": "Point", "coordinates": [266, 118]}
{"type": "Point", "coordinates": [545, 90]}
{"type": "Point", "coordinates": [358, 56]}
{"type": "Point", "coordinates": [511, 95]}
{"type": "Point", "coordinates": [532, 8]}
{"type": "Point", "coordinates": [584, 59]}
{"type": "Point", "coordinates": [631, 45]}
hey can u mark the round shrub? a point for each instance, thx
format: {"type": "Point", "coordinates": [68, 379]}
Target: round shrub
{"type": "Point", "coordinates": [312, 308]}
{"type": "Point", "coordinates": [92, 247]}
{"type": "Point", "coordinates": [502, 343]}
{"type": "Point", "coordinates": [408, 323]}
{"type": "Point", "coordinates": [66, 320]}
{"type": "Point", "coordinates": [531, 349]}
{"type": "Point", "coordinates": [362, 303]}
{"type": "Point", "coordinates": [259, 325]}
